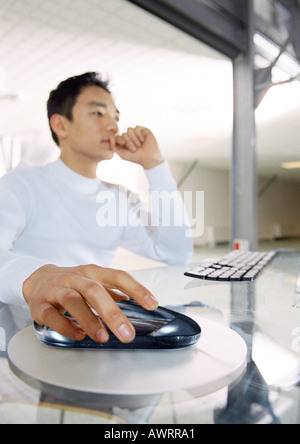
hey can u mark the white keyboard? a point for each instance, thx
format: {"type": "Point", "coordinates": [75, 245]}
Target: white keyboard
{"type": "Point", "coordinates": [234, 266]}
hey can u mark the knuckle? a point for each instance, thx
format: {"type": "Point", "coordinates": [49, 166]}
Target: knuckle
{"type": "Point", "coordinates": [45, 314]}
{"type": "Point", "coordinates": [121, 275]}
{"type": "Point", "coordinates": [120, 279]}
{"type": "Point", "coordinates": [89, 267]}
{"type": "Point", "coordinates": [68, 297]}
{"type": "Point", "coordinates": [92, 289]}
{"type": "Point", "coordinates": [112, 316]}
{"type": "Point", "coordinates": [89, 270]}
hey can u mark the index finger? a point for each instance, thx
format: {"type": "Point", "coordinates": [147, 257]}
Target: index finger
{"type": "Point", "coordinates": [97, 298]}
{"type": "Point", "coordinates": [141, 133]}
{"type": "Point", "coordinates": [120, 280]}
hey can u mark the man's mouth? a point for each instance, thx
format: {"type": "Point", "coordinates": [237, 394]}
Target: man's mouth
{"type": "Point", "coordinates": [107, 144]}
{"type": "Point", "coordinates": [106, 141]}
{"type": "Point", "coordinates": [110, 141]}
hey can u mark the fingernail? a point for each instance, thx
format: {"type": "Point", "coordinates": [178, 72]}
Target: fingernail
{"type": "Point", "coordinates": [126, 333]}
{"type": "Point", "coordinates": [151, 301]}
{"type": "Point", "coordinates": [102, 335]}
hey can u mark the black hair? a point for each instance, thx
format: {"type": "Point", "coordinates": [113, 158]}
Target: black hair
{"type": "Point", "coordinates": [63, 98]}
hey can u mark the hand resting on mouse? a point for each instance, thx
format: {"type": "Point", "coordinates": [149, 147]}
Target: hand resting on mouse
{"type": "Point", "coordinates": [51, 291]}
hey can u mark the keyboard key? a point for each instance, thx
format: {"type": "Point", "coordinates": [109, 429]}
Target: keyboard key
{"type": "Point", "coordinates": [214, 276]}
{"type": "Point", "coordinates": [251, 275]}
{"type": "Point", "coordinates": [236, 277]}
{"type": "Point", "coordinates": [201, 273]}
{"type": "Point", "coordinates": [206, 272]}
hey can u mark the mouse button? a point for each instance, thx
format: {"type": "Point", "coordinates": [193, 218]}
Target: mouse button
{"type": "Point", "coordinates": [144, 327]}
{"type": "Point", "coordinates": [180, 326]}
{"type": "Point", "coordinates": [163, 313]}
{"type": "Point", "coordinates": [132, 309]}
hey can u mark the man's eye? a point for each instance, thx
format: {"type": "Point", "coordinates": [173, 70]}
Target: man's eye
{"type": "Point", "coordinates": [98, 113]}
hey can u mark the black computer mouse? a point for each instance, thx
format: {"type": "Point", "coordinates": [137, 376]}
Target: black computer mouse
{"type": "Point", "coordinates": [159, 329]}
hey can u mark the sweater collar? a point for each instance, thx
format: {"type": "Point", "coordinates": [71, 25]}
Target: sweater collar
{"type": "Point", "coordinates": [73, 180]}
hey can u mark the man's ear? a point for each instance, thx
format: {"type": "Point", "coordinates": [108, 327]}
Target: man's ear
{"type": "Point", "coordinates": [57, 123]}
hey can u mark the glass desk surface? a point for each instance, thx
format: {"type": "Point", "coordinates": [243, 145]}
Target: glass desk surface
{"type": "Point", "coordinates": [266, 313]}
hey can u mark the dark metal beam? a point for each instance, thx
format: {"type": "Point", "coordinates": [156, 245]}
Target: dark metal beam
{"type": "Point", "coordinates": [230, 8]}
{"type": "Point", "coordinates": [209, 22]}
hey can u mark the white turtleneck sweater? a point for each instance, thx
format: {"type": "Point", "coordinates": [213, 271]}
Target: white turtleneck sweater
{"type": "Point", "coordinates": [52, 215]}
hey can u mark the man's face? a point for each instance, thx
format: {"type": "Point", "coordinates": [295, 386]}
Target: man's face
{"type": "Point", "coordinates": [95, 119]}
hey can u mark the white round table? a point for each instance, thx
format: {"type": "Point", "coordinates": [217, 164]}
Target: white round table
{"type": "Point", "coordinates": [130, 378]}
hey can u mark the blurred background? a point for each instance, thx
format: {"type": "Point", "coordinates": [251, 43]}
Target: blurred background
{"type": "Point", "coordinates": [164, 79]}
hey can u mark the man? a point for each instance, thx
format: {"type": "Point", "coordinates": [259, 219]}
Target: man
{"type": "Point", "coordinates": [49, 230]}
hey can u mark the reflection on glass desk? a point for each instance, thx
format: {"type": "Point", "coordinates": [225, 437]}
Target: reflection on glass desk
{"type": "Point", "coordinates": [266, 313]}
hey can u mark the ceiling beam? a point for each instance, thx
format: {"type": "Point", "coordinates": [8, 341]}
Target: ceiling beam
{"type": "Point", "coordinates": [215, 23]}
{"type": "Point", "coordinates": [222, 24]}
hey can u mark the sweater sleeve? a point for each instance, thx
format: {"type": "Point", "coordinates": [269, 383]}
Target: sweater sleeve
{"type": "Point", "coordinates": [14, 269]}
{"type": "Point", "coordinates": [164, 232]}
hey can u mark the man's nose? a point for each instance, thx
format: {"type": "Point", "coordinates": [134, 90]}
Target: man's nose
{"type": "Point", "coordinates": [113, 126]}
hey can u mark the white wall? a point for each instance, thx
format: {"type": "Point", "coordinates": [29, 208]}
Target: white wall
{"type": "Point", "coordinates": [279, 206]}
{"type": "Point", "coordinates": [279, 210]}
{"type": "Point", "coordinates": [216, 187]}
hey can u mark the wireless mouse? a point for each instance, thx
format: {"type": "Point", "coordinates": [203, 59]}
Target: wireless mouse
{"type": "Point", "coordinates": [159, 329]}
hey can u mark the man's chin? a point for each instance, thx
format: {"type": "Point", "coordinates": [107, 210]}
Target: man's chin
{"type": "Point", "coordinates": [106, 156]}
